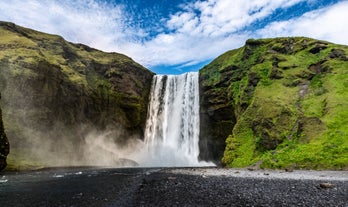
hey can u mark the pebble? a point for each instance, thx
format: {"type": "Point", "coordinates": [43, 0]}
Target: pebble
{"type": "Point", "coordinates": [326, 185]}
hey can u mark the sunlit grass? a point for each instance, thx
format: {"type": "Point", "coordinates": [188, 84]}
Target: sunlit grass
{"type": "Point", "coordinates": [308, 131]}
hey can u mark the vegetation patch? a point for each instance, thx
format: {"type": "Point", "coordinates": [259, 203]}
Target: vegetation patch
{"type": "Point", "coordinates": [289, 101]}
{"type": "Point", "coordinates": [55, 91]}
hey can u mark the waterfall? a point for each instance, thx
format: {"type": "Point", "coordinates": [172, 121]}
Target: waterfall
{"type": "Point", "coordinates": [172, 126]}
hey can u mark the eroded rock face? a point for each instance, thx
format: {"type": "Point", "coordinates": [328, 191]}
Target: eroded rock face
{"type": "Point", "coordinates": [216, 118]}
{"type": "Point", "coordinates": [4, 145]}
{"type": "Point", "coordinates": [54, 90]}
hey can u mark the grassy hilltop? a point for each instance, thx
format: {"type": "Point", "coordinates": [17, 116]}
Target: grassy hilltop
{"type": "Point", "coordinates": [284, 103]}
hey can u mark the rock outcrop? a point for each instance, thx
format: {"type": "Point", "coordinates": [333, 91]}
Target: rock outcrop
{"type": "Point", "coordinates": [55, 91]}
{"type": "Point", "coordinates": [216, 112]}
{"type": "Point", "coordinates": [4, 145]}
{"type": "Point", "coordinates": [278, 103]}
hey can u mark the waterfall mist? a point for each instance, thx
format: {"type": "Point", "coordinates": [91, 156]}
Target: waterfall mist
{"type": "Point", "coordinates": [172, 127]}
{"type": "Point", "coordinates": [171, 134]}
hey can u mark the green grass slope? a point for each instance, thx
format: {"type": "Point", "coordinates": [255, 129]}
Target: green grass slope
{"type": "Point", "coordinates": [54, 92]}
{"type": "Point", "coordinates": [290, 103]}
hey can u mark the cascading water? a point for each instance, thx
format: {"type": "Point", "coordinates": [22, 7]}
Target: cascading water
{"type": "Point", "coordinates": [172, 126]}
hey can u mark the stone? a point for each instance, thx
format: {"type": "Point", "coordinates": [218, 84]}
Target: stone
{"type": "Point", "coordinates": [326, 185]}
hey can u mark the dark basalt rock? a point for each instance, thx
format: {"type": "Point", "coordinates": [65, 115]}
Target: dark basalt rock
{"type": "Point", "coordinates": [4, 144]}
{"type": "Point", "coordinates": [317, 49]}
{"type": "Point", "coordinates": [338, 53]}
{"type": "Point", "coordinates": [216, 115]}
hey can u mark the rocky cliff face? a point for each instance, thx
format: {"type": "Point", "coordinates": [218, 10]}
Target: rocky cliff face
{"type": "Point", "coordinates": [4, 145]}
{"type": "Point", "coordinates": [217, 117]}
{"type": "Point", "coordinates": [278, 103]}
{"type": "Point", "coordinates": [54, 90]}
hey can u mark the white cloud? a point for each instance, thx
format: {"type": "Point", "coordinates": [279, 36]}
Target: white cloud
{"type": "Point", "coordinates": [201, 31]}
{"type": "Point", "coordinates": [205, 29]}
{"type": "Point", "coordinates": [328, 23]}
{"type": "Point", "coordinates": [221, 17]}
{"type": "Point", "coordinates": [88, 22]}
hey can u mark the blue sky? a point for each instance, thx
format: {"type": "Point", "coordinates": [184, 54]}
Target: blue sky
{"type": "Point", "coordinates": [173, 37]}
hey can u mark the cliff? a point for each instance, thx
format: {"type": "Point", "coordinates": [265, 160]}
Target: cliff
{"type": "Point", "coordinates": [4, 145]}
{"type": "Point", "coordinates": [274, 103]}
{"type": "Point", "coordinates": [277, 103]}
{"type": "Point", "coordinates": [56, 92]}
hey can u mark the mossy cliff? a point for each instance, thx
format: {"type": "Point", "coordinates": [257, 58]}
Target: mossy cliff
{"type": "Point", "coordinates": [53, 88]}
{"type": "Point", "coordinates": [277, 103]}
{"type": "Point", "coordinates": [4, 145]}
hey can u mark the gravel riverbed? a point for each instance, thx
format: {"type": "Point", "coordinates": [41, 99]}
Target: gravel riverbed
{"type": "Point", "coordinates": [240, 187]}
{"type": "Point", "coordinates": [173, 187]}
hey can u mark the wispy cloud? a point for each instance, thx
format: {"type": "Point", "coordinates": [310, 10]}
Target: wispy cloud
{"type": "Point", "coordinates": [199, 31]}
{"type": "Point", "coordinates": [204, 29]}
{"type": "Point", "coordinates": [220, 17]}
{"type": "Point", "coordinates": [329, 23]}
{"type": "Point", "coordinates": [91, 22]}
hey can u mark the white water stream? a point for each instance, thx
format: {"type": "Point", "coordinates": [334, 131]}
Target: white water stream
{"type": "Point", "coordinates": [172, 126]}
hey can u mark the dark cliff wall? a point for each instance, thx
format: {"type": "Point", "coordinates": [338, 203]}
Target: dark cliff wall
{"type": "Point", "coordinates": [277, 103]}
{"type": "Point", "coordinates": [4, 145]}
{"type": "Point", "coordinates": [216, 113]}
{"type": "Point", "coordinates": [55, 89]}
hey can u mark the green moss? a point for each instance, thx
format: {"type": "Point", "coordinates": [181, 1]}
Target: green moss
{"type": "Point", "coordinates": [322, 153]}
{"type": "Point", "coordinates": [47, 81]}
{"type": "Point", "coordinates": [9, 39]}
{"type": "Point", "coordinates": [19, 161]}
{"type": "Point", "coordinates": [240, 147]}
{"type": "Point", "coordinates": [294, 119]}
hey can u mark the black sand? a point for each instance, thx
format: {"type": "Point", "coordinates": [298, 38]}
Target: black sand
{"type": "Point", "coordinates": [173, 187]}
